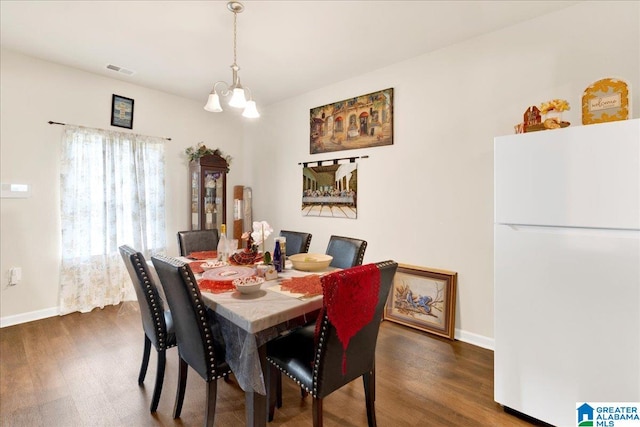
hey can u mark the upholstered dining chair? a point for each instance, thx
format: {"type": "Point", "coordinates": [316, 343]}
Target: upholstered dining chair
{"type": "Point", "coordinates": [197, 240]}
{"type": "Point", "coordinates": [347, 252]}
{"type": "Point", "coordinates": [297, 242]}
{"type": "Point", "coordinates": [156, 320]}
{"type": "Point", "coordinates": [321, 362]}
{"type": "Point", "coordinates": [200, 342]}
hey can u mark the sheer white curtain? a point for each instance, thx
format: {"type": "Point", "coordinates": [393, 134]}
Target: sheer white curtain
{"type": "Point", "coordinates": [112, 193]}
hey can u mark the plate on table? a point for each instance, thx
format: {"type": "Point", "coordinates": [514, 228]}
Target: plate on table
{"type": "Point", "coordinates": [209, 265]}
{"type": "Point", "coordinates": [230, 273]}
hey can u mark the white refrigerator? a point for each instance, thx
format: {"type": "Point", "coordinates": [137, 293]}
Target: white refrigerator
{"type": "Point", "coordinates": [567, 269]}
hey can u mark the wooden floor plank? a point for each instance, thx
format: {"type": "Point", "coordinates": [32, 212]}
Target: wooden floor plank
{"type": "Point", "coordinates": [81, 370]}
{"type": "Point", "coordinates": [60, 412]}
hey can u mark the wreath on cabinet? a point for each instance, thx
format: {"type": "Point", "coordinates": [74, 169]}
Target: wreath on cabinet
{"type": "Point", "coordinates": [201, 150]}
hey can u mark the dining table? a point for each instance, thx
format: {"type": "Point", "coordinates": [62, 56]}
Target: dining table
{"type": "Point", "coordinates": [249, 321]}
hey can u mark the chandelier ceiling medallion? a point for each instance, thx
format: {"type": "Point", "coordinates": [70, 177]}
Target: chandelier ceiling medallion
{"type": "Point", "coordinates": [235, 89]}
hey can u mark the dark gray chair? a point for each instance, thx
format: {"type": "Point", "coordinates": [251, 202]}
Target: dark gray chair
{"type": "Point", "coordinates": [347, 252]}
{"type": "Point", "coordinates": [316, 363]}
{"type": "Point", "coordinates": [156, 320]}
{"type": "Point", "coordinates": [200, 342]}
{"type": "Point", "coordinates": [297, 242]}
{"type": "Point", "coordinates": [197, 240]}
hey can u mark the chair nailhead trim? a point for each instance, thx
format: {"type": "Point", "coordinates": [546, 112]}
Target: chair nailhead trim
{"type": "Point", "coordinates": [154, 304]}
{"type": "Point", "coordinates": [195, 292]}
{"type": "Point", "coordinates": [292, 377]}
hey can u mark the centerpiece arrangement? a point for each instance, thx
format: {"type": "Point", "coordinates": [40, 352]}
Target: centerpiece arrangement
{"type": "Point", "coordinates": [255, 239]}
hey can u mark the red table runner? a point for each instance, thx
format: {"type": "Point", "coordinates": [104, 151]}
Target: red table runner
{"type": "Point", "coordinates": [203, 255]}
{"type": "Point", "coordinates": [349, 298]}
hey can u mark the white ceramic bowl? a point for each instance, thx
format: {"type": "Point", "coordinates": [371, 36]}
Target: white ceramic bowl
{"type": "Point", "coordinates": [213, 264]}
{"type": "Point", "coordinates": [310, 262]}
{"type": "Point", "coordinates": [248, 285]}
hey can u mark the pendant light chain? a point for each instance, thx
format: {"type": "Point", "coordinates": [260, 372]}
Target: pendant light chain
{"type": "Point", "coordinates": [235, 33]}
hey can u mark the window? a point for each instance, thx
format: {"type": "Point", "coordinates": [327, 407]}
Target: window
{"type": "Point", "coordinates": [112, 193]}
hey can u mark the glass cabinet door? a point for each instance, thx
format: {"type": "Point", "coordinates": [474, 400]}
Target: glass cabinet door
{"type": "Point", "coordinates": [213, 206]}
{"type": "Point", "coordinates": [195, 199]}
{"type": "Point", "coordinates": [208, 192]}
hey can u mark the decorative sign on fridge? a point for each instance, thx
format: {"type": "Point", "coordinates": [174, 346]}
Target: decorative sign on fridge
{"type": "Point", "coordinates": [606, 100]}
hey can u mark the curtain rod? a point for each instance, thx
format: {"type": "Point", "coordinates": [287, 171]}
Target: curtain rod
{"type": "Point", "coordinates": [64, 124]}
{"type": "Point", "coordinates": [334, 161]}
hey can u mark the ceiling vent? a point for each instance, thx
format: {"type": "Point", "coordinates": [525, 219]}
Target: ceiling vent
{"type": "Point", "coordinates": [120, 70]}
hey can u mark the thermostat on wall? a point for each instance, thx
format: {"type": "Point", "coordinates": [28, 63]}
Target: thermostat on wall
{"type": "Point", "coordinates": [15, 191]}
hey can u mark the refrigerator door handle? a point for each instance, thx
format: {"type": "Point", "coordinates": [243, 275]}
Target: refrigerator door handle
{"type": "Point", "coordinates": [578, 230]}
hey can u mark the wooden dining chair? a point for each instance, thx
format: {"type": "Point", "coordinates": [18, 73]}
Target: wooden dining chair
{"type": "Point", "coordinates": [157, 322]}
{"type": "Point", "coordinates": [297, 242]}
{"type": "Point", "coordinates": [347, 252]}
{"type": "Point", "coordinates": [197, 240]}
{"type": "Point", "coordinates": [200, 342]}
{"type": "Point", "coordinates": [322, 362]}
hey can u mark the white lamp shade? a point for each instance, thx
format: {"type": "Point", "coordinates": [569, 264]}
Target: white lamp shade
{"type": "Point", "coordinates": [213, 103]}
{"type": "Point", "coordinates": [250, 111]}
{"type": "Point", "coordinates": [238, 99]}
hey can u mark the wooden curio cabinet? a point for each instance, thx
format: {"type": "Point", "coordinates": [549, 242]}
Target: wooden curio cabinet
{"type": "Point", "coordinates": [208, 176]}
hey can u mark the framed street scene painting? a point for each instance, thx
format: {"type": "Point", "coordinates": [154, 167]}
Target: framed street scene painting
{"type": "Point", "coordinates": [360, 122]}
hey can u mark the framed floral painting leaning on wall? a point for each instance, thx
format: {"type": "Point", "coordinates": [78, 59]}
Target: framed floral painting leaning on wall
{"type": "Point", "coordinates": [424, 299]}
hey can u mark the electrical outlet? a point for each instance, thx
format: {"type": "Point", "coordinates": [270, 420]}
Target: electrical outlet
{"type": "Point", "coordinates": [15, 275]}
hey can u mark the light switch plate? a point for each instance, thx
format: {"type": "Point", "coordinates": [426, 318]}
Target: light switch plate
{"type": "Point", "coordinates": [15, 191]}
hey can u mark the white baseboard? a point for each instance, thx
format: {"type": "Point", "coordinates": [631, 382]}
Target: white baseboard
{"type": "Point", "coordinates": [460, 335]}
{"type": "Point", "coordinates": [475, 339]}
{"type": "Point", "coordinates": [28, 317]}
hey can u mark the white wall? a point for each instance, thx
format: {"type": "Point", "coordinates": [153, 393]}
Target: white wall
{"type": "Point", "coordinates": [34, 92]}
{"type": "Point", "coordinates": [428, 199]}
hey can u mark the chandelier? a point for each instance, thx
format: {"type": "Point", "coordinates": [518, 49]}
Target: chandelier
{"type": "Point", "coordinates": [235, 89]}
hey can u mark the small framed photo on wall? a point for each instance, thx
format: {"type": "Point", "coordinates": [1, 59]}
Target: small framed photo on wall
{"type": "Point", "coordinates": [122, 112]}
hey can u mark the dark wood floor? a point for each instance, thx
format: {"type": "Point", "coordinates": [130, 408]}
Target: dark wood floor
{"type": "Point", "coordinates": [82, 369]}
